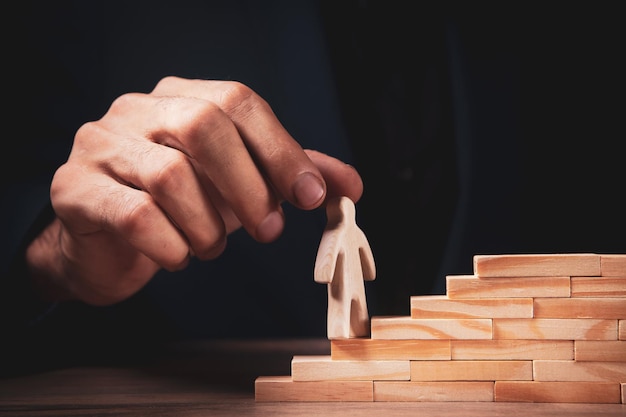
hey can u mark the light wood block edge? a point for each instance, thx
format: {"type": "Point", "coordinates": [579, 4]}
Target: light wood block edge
{"type": "Point", "coordinates": [323, 368]}
{"type": "Point", "coordinates": [473, 287]}
{"type": "Point", "coordinates": [613, 265]}
{"type": "Point", "coordinates": [472, 370]}
{"type": "Point", "coordinates": [583, 287]}
{"type": "Point", "coordinates": [449, 391]}
{"type": "Point", "coordinates": [406, 328]}
{"type": "Point", "coordinates": [557, 392]}
{"type": "Point", "coordinates": [516, 265]}
{"type": "Point", "coordinates": [574, 371]}
{"type": "Point", "coordinates": [512, 349]}
{"type": "Point", "coordinates": [283, 388]}
{"type": "Point", "coordinates": [600, 350]}
{"type": "Point", "coordinates": [442, 307]}
{"type": "Point", "coordinates": [380, 349]}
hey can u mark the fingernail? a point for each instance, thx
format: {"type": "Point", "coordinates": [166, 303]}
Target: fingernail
{"type": "Point", "coordinates": [270, 228]}
{"type": "Point", "coordinates": [308, 190]}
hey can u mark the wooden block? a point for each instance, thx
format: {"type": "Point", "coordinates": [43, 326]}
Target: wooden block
{"type": "Point", "coordinates": [595, 308]}
{"type": "Point", "coordinates": [511, 349]}
{"type": "Point", "coordinates": [537, 265]}
{"type": "Point", "coordinates": [613, 265]}
{"type": "Point", "coordinates": [470, 286]}
{"type": "Point", "coordinates": [622, 330]}
{"type": "Point", "coordinates": [401, 327]}
{"type": "Point", "coordinates": [557, 392]}
{"type": "Point", "coordinates": [283, 388]}
{"type": "Point", "coordinates": [600, 350]}
{"type": "Point", "coordinates": [598, 286]}
{"type": "Point", "coordinates": [555, 329]}
{"type": "Point", "coordinates": [441, 307]}
{"type": "Point", "coordinates": [344, 260]}
{"type": "Point", "coordinates": [579, 371]}
{"type": "Point", "coordinates": [373, 349]}
{"type": "Point", "coordinates": [433, 391]}
{"type": "Point", "coordinates": [323, 368]}
{"type": "Point", "coordinates": [623, 393]}
{"type": "Point", "coordinates": [471, 370]}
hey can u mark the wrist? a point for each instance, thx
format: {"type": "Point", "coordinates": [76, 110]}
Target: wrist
{"type": "Point", "coordinates": [44, 264]}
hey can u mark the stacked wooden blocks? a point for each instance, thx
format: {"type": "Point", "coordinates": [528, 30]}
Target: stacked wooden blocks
{"type": "Point", "coordinates": [531, 328]}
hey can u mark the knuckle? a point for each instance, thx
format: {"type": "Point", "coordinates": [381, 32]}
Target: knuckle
{"type": "Point", "coordinates": [137, 216]}
{"type": "Point", "coordinates": [59, 188]}
{"type": "Point", "coordinates": [167, 83]}
{"type": "Point", "coordinates": [201, 115]}
{"type": "Point", "coordinates": [213, 247]}
{"type": "Point", "coordinates": [132, 213]}
{"type": "Point", "coordinates": [170, 173]}
{"type": "Point", "coordinates": [204, 126]}
{"type": "Point", "coordinates": [123, 104]}
{"type": "Point", "coordinates": [237, 98]}
{"type": "Point", "coordinates": [176, 261]}
{"type": "Point", "coordinates": [87, 134]}
{"type": "Point", "coordinates": [236, 90]}
{"type": "Point", "coordinates": [85, 131]}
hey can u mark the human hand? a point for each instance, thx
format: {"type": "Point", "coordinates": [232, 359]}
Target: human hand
{"type": "Point", "coordinates": [168, 175]}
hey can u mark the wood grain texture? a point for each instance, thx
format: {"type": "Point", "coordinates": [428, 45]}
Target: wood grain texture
{"type": "Point", "coordinates": [409, 328]}
{"type": "Point", "coordinates": [323, 368]}
{"type": "Point", "coordinates": [555, 329]}
{"type": "Point", "coordinates": [472, 370]}
{"type": "Point", "coordinates": [600, 350]}
{"type": "Point", "coordinates": [613, 265]}
{"type": "Point", "coordinates": [598, 286]}
{"type": "Point", "coordinates": [537, 265]}
{"type": "Point", "coordinates": [557, 392]}
{"type": "Point", "coordinates": [579, 371]}
{"type": "Point", "coordinates": [470, 286]}
{"type": "Point", "coordinates": [596, 308]}
{"type": "Point", "coordinates": [512, 349]}
{"type": "Point", "coordinates": [283, 388]}
{"type": "Point", "coordinates": [442, 307]}
{"type": "Point", "coordinates": [374, 349]}
{"type": "Point", "coordinates": [433, 391]}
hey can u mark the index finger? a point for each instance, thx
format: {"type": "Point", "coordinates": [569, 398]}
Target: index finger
{"type": "Point", "coordinates": [278, 155]}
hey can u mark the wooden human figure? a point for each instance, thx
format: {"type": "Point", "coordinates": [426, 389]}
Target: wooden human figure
{"type": "Point", "coordinates": [344, 261]}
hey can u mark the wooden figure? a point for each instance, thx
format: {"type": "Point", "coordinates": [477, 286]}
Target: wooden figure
{"type": "Point", "coordinates": [344, 260]}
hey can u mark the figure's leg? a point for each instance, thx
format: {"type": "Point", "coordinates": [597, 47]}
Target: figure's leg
{"type": "Point", "coordinates": [359, 316]}
{"type": "Point", "coordinates": [338, 325]}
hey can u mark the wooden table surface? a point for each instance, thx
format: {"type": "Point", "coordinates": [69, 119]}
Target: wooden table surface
{"type": "Point", "coordinates": [216, 378]}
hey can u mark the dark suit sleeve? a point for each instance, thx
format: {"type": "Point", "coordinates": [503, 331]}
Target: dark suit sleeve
{"type": "Point", "coordinates": [20, 306]}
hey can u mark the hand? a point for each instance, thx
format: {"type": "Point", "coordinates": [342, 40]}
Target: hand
{"type": "Point", "coordinates": [168, 175]}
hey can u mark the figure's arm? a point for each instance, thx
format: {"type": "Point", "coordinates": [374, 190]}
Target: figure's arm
{"type": "Point", "coordinates": [367, 260]}
{"type": "Point", "coordinates": [327, 254]}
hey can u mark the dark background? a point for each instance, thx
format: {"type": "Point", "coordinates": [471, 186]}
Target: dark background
{"type": "Point", "coordinates": [477, 130]}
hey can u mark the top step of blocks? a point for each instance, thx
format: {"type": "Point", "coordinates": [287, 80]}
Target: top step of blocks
{"type": "Point", "coordinates": [537, 265]}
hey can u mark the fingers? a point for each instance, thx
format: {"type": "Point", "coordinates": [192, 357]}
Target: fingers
{"type": "Point", "coordinates": [169, 178]}
{"type": "Point", "coordinates": [151, 174]}
{"type": "Point", "coordinates": [190, 162]}
{"type": "Point", "coordinates": [167, 175]}
{"type": "Point", "coordinates": [341, 179]}
{"type": "Point", "coordinates": [98, 204]}
{"type": "Point", "coordinates": [277, 155]}
{"type": "Point", "coordinates": [203, 134]}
